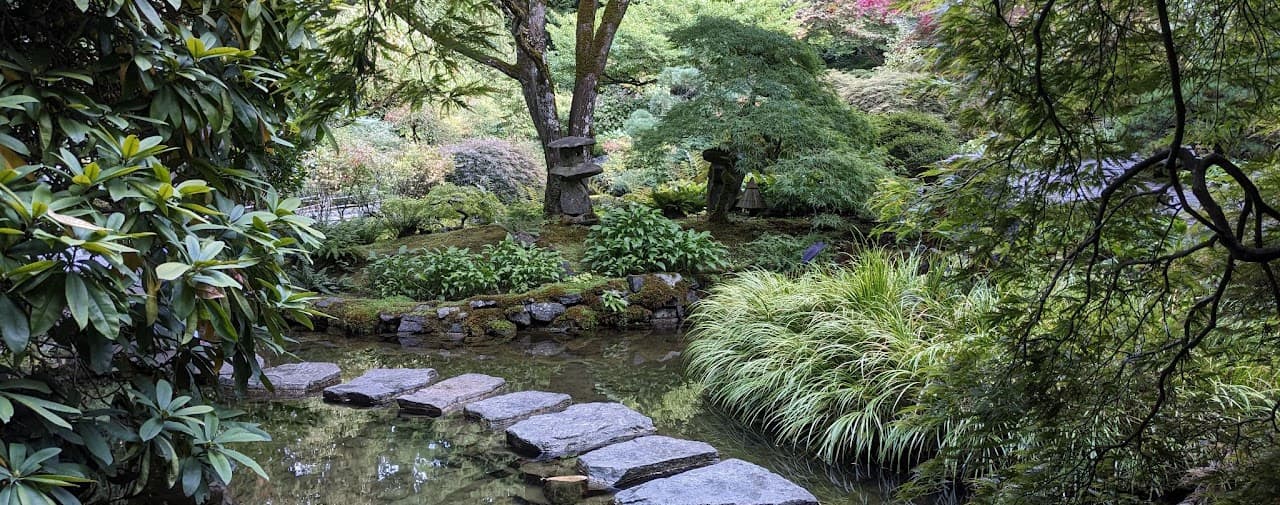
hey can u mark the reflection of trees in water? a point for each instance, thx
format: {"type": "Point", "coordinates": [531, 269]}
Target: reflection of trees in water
{"type": "Point", "coordinates": [338, 455]}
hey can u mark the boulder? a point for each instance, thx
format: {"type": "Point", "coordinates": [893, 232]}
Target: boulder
{"type": "Point", "coordinates": [450, 394]}
{"type": "Point", "coordinates": [522, 318]}
{"type": "Point", "coordinates": [670, 279]}
{"type": "Point", "coordinates": [379, 385]}
{"type": "Point", "coordinates": [635, 282]}
{"type": "Point", "coordinates": [444, 312]}
{"type": "Point", "coordinates": [293, 380]}
{"type": "Point", "coordinates": [546, 311]}
{"type": "Point", "coordinates": [626, 464]}
{"type": "Point", "coordinates": [506, 410]}
{"type": "Point", "coordinates": [569, 299]}
{"type": "Point", "coordinates": [411, 324]}
{"type": "Point", "coordinates": [730, 482]}
{"type": "Point", "coordinates": [578, 429]}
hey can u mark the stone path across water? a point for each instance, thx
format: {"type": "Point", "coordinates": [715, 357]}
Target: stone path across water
{"type": "Point", "coordinates": [626, 464]}
{"type": "Point", "coordinates": [577, 429]}
{"type": "Point", "coordinates": [618, 446]}
{"type": "Point", "coordinates": [500, 412]}
{"type": "Point", "coordinates": [379, 385]}
{"type": "Point", "coordinates": [450, 394]}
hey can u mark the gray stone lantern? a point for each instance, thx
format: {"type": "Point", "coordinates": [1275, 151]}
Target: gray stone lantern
{"type": "Point", "coordinates": [574, 169]}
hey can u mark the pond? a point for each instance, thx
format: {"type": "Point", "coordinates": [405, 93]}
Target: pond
{"type": "Point", "coordinates": [332, 455]}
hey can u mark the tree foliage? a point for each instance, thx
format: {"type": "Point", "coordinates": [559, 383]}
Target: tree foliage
{"type": "Point", "coordinates": [1124, 202]}
{"type": "Point", "coordinates": [762, 101]}
{"type": "Point", "coordinates": [141, 243]}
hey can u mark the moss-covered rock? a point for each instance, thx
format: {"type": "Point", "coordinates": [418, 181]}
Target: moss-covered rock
{"type": "Point", "coordinates": [579, 317]}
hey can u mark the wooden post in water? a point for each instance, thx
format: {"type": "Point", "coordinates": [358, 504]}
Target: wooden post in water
{"type": "Point", "coordinates": [565, 490]}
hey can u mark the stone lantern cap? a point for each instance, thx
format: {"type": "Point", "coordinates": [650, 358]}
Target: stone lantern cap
{"type": "Point", "coordinates": [579, 171]}
{"type": "Point", "coordinates": [571, 142]}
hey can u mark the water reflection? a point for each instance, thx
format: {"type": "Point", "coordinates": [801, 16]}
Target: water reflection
{"type": "Point", "coordinates": [330, 455]}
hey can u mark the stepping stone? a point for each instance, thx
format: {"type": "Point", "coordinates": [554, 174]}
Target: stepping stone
{"type": "Point", "coordinates": [506, 410]}
{"type": "Point", "coordinates": [626, 464]}
{"type": "Point", "coordinates": [450, 394]}
{"type": "Point", "coordinates": [578, 429]}
{"type": "Point", "coordinates": [730, 482]}
{"type": "Point", "coordinates": [379, 385]}
{"type": "Point", "coordinates": [293, 380]}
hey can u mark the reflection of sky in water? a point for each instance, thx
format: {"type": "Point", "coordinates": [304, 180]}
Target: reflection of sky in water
{"type": "Point", "coordinates": [329, 455]}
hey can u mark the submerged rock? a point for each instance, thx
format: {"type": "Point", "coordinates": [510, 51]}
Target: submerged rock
{"type": "Point", "coordinates": [450, 394]}
{"type": "Point", "coordinates": [578, 429]}
{"type": "Point", "coordinates": [626, 464]}
{"type": "Point", "coordinates": [379, 385]}
{"type": "Point", "coordinates": [730, 482]}
{"type": "Point", "coordinates": [506, 410]}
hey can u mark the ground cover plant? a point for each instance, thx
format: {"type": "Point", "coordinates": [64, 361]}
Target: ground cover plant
{"type": "Point", "coordinates": [632, 239]}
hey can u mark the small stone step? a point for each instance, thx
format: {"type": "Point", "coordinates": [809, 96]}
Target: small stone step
{"type": "Point", "coordinates": [450, 394]}
{"type": "Point", "coordinates": [578, 429]}
{"type": "Point", "coordinates": [502, 411]}
{"type": "Point", "coordinates": [379, 385]}
{"type": "Point", "coordinates": [730, 482]}
{"type": "Point", "coordinates": [293, 380]}
{"type": "Point", "coordinates": [626, 464]}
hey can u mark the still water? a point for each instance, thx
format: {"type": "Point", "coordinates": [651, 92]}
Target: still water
{"type": "Point", "coordinates": [331, 455]}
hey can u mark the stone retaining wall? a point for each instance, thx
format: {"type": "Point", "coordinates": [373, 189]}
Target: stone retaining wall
{"type": "Point", "coordinates": [653, 301]}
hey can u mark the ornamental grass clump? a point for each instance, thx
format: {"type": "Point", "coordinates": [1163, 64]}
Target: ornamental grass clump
{"type": "Point", "coordinates": [837, 360]}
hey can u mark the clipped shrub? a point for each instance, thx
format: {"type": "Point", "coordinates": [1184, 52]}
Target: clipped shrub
{"type": "Point", "coordinates": [448, 202]}
{"type": "Point", "coordinates": [782, 253]}
{"type": "Point", "coordinates": [503, 168]}
{"type": "Point", "coordinates": [632, 239]}
{"type": "Point", "coordinates": [837, 360]}
{"type": "Point", "coordinates": [428, 275]}
{"type": "Point", "coordinates": [915, 140]}
{"type": "Point", "coordinates": [520, 267]}
{"type": "Point", "coordinates": [679, 198]}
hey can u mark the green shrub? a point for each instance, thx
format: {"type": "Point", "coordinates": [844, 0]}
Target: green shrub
{"type": "Point", "coordinates": [839, 181]}
{"type": "Point", "coordinates": [632, 239]}
{"type": "Point", "coordinates": [448, 274]}
{"type": "Point", "coordinates": [519, 267]}
{"type": "Point", "coordinates": [453, 273]}
{"type": "Point", "coordinates": [408, 216]}
{"type": "Point", "coordinates": [781, 253]}
{"type": "Point", "coordinates": [522, 216]}
{"type": "Point", "coordinates": [503, 168]}
{"type": "Point", "coordinates": [414, 172]}
{"type": "Point", "coordinates": [679, 198]}
{"type": "Point", "coordinates": [342, 241]}
{"type": "Point", "coordinates": [465, 204]}
{"type": "Point", "coordinates": [915, 140]}
{"type": "Point", "coordinates": [836, 360]}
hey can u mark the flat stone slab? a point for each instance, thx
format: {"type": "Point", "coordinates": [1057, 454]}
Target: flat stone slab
{"type": "Point", "coordinates": [293, 380]}
{"type": "Point", "coordinates": [730, 482]}
{"type": "Point", "coordinates": [450, 394]}
{"type": "Point", "coordinates": [626, 464]}
{"type": "Point", "coordinates": [379, 385]}
{"type": "Point", "coordinates": [506, 410]}
{"type": "Point", "coordinates": [579, 428]}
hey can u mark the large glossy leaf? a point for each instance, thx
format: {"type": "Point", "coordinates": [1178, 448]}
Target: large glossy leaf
{"type": "Point", "coordinates": [14, 326]}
